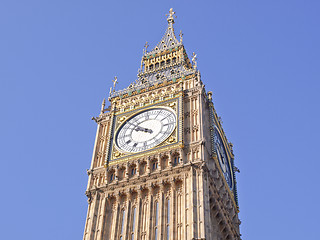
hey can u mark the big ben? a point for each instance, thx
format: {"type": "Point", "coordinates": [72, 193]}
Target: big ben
{"type": "Point", "coordinates": [162, 167]}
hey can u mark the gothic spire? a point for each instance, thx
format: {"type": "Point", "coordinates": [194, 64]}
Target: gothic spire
{"type": "Point", "coordinates": [169, 39]}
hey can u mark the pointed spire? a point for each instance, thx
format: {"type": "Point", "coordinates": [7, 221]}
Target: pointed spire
{"type": "Point", "coordinates": [169, 39]}
{"type": "Point", "coordinates": [103, 105]}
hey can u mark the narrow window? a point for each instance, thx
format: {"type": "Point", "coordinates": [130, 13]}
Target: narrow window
{"type": "Point", "coordinates": [154, 165]}
{"type": "Point", "coordinates": [111, 177]}
{"type": "Point", "coordinates": [133, 223]}
{"type": "Point", "coordinates": [133, 171]}
{"type": "Point", "coordinates": [168, 61]}
{"type": "Point", "coordinates": [174, 59]}
{"type": "Point", "coordinates": [122, 223]}
{"type": "Point", "coordinates": [162, 63]}
{"type": "Point", "coordinates": [156, 215]}
{"type": "Point", "coordinates": [157, 65]}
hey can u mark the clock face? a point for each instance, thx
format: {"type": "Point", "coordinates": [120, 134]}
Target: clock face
{"type": "Point", "coordinates": [223, 159]}
{"type": "Point", "coordinates": [146, 130]}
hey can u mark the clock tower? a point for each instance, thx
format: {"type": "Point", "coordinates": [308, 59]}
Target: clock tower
{"type": "Point", "coordinates": [162, 167]}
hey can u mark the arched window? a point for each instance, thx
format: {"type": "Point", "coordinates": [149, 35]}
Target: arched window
{"type": "Point", "coordinates": [174, 59]}
{"type": "Point", "coordinates": [133, 171]}
{"type": "Point", "coordinates": [168, 61]}
{"type": "Point", "coordinates": [176, 159]}
{"type": "Point", "coordinates": [112, 177]}
{"type": "Point", "coordinates": [151, 67]}
{"type": "Point", "coordinates": [162, 63]}
{"type": "Point", "coordinates": [157, 65]}
{"type": "Point", "coordinates": [155, 165]}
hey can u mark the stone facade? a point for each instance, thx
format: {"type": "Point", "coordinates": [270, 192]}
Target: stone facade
{"type": "Point", "coordinates": [178, 189]}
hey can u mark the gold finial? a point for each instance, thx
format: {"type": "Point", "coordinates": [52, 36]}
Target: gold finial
{"type": "Point", "coordinates": [171, 12]}
{"type": "Point", "coordinates": [194, 60]}
{"type": "Point", "coordinates": [210, 95]}
{"type": "Point", "coordinates": [115, 81]}
{"type": "Point", "coordinates": [145, 48]}
{"type": "Point", "coordinates": [181, 36]}
{"type": "Point", "coordinates": [170, 19]}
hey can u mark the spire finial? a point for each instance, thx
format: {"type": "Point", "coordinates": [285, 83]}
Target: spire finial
{"type": "Point", "coordinates": [115, 81]}
{"type": "Point", "coordinates": [194, 60]}
{"type": "Point", "coordinates": [103, 105]}
{"type": "Point", "coordinates": [145, 48]}
{"type": "Point", "coordinates": [170, 19]}
{"type": "Point", "coordinates": [181, 36]}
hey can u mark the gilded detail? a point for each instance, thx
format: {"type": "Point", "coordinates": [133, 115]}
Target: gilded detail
{"type": "Point", "coordinates": [162, 167]}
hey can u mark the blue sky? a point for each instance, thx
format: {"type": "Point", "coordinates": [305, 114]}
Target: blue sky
{"type": "Point", "coordinates": [57, 60]}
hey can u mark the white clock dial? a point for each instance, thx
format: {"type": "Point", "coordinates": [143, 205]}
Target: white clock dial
{"type": "Point", "coordinates": [146, 130]}
{"type": "Point", "coordinates": [223, 159]}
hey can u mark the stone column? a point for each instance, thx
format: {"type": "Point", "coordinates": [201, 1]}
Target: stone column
{"type": "Point", "coordinates": [181, 161]}
{"type": "Point", "coordinates": [161, 209]}
{"type": "Point", "coordinates": [138, 217]}
{"type": "Point", "coordinates": [138, 167]}
{"type": "Point", "coordinates": [159, 156]}
{"type": "Point", "coordinates": [172, 208]}
{"type": "Point", "coordinates": [127, 172]}
{"type": "Point", "coordinates": [149, 212]}
{"type": "Point", "coordinates": [116, 174]}
{"type": "Point", "coordinates": [148, 170]}
{"type": "Point", "coordinates": [101, 217]}
{"type": "Point", "coordinates": [90, 230]}
{"type": "Point", "coordinates": [115, 210]}
{"type": "Point", "coordinates": [87, 222]}
{"type": "Point", "coordinates": [127, 216]}
{"type": "Point", "coordinates": [201, 203]}
{"type": "Point", "coordinates": [170, 164]}
{"type": "Point", "coordinates": [193, 205]}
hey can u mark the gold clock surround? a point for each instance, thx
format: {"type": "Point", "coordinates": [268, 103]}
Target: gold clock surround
{"type": "Point", "coordinates": [117, 155]}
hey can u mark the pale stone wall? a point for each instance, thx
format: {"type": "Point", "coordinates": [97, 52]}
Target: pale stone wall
{"type": "Point", "coordinates": [171, 194]}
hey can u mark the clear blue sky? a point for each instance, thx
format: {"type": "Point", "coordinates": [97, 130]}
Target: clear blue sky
{"type": "Point", "coordinates": [57, 59]}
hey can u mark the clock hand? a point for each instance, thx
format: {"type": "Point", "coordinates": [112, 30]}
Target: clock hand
{"type": "Point", "coordinates": [138, 128]}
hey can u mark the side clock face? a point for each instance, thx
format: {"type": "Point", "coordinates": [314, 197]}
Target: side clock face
{"type": "Point", "coordinates": [146, 130]}
{"type": "Point", "coordinates": [223, 159]}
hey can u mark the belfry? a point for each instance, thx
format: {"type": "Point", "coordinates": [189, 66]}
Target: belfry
{"type": "Point", "coordinates": [162, 167]}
